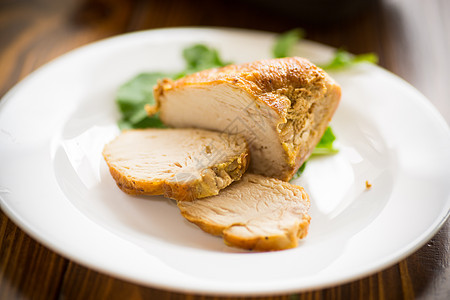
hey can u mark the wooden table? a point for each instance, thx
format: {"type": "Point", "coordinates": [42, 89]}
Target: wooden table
{"type": "Point", "coordinates": [411, 37]}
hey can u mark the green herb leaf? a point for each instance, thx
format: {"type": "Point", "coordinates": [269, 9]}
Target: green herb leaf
{"type": "Point", "coordinates": [286, 41]}
{"type": "Point", "coordinates": [343, 59]}
{"type": "Point", "coordinates": [325, 145]}
{"type": "Point", "coordinates": [200, 57]}
{"type": "Point", "coordinates": [132, 97]}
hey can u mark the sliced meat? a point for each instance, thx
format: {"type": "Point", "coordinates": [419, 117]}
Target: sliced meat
{"type": "Point", "coordinates": [281, 106]}
{"type": "Point", "coordinates": [255, 213]}
{"type": "Point", "coordinates": [183, 164]}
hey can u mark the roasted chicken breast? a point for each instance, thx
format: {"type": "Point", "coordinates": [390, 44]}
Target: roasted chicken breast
{"type": "Point", "coordinates": [281, 106]}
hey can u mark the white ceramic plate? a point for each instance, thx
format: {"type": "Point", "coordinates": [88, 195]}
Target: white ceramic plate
{"type": "Point", "coordinates": [55, 185]}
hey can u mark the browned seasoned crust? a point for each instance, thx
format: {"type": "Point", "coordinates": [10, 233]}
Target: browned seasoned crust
{"type": "Point", "coordinates": [284, 241]}
{"type": "Point", "coordinates": [260, 78]}
{"type": "Point", "coordinates": [183, 191]}
{"type": "Point", "coordinates": [287, 240]}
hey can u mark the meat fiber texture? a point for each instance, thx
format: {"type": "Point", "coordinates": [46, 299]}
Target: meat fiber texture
{"type": "Point", "coordinates": [281, 106]}
{"type": "Point", "coordinates": [255, 213]}
{"type": "Point", "coordinates": [182, 164]}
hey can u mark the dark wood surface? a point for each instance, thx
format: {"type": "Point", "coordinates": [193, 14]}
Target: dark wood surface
{"type": "Point", "coordinates": [411, 37]}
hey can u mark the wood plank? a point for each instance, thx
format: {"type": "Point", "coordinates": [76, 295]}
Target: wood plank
{"type": "Point", "coordinates": [27, 269]}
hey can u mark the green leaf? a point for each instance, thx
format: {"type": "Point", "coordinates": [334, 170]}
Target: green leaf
{"type": "Point", "coordinates": [147, 122]}
{"type": "Point", "coordinates": [343, 59]}
{"type": "Point", "coordinates": [132, 97]}
{"type": "Point", "coordinates": [327, 139]}
{"type": "Point", "coordinates": [324, 151]}
{"type": "Point", "coordinates": [286, 41]}
{"type": "Point", "coordinates": [201, 57]}
{"type": "Point", "coordinates": [325, 145]}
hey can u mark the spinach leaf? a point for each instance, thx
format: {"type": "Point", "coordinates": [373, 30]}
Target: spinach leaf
{"type": "Point", "coordinates": [286, 41]}
{"type": "Point", "coordinates": [342, 59]}
{"type": "Point", "coordinates": [200, 57]}
{"type": "Point", "coordinates": [325, 145]}
{"type": "Point", "coordinates": [131, 98]}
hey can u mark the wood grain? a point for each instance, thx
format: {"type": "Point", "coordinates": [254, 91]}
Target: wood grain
{"type": "Point", "coordinates": [411, 37]}
{"type": "Point", "coordinates": [27, 269]}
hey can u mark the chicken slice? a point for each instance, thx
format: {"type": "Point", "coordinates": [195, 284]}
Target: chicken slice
{"type": "Point", "coordinates": [255, 213]}
{"type": "Point", "coordinates": [281, 106]}
{"type": "Point", "coordinates": [183, 164]}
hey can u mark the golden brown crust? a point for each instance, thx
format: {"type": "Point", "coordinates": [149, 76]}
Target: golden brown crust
{"type": "Point", "coordinates": [260, 243]}
{"type": "Point", "coordinates": [133, 187]}
{"type": "Point", "coordinates": [270, 243]}
{"type": "Point", "coordinates": [260, 79]}
{"type": "Point", "coordinates": [181, 191]}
